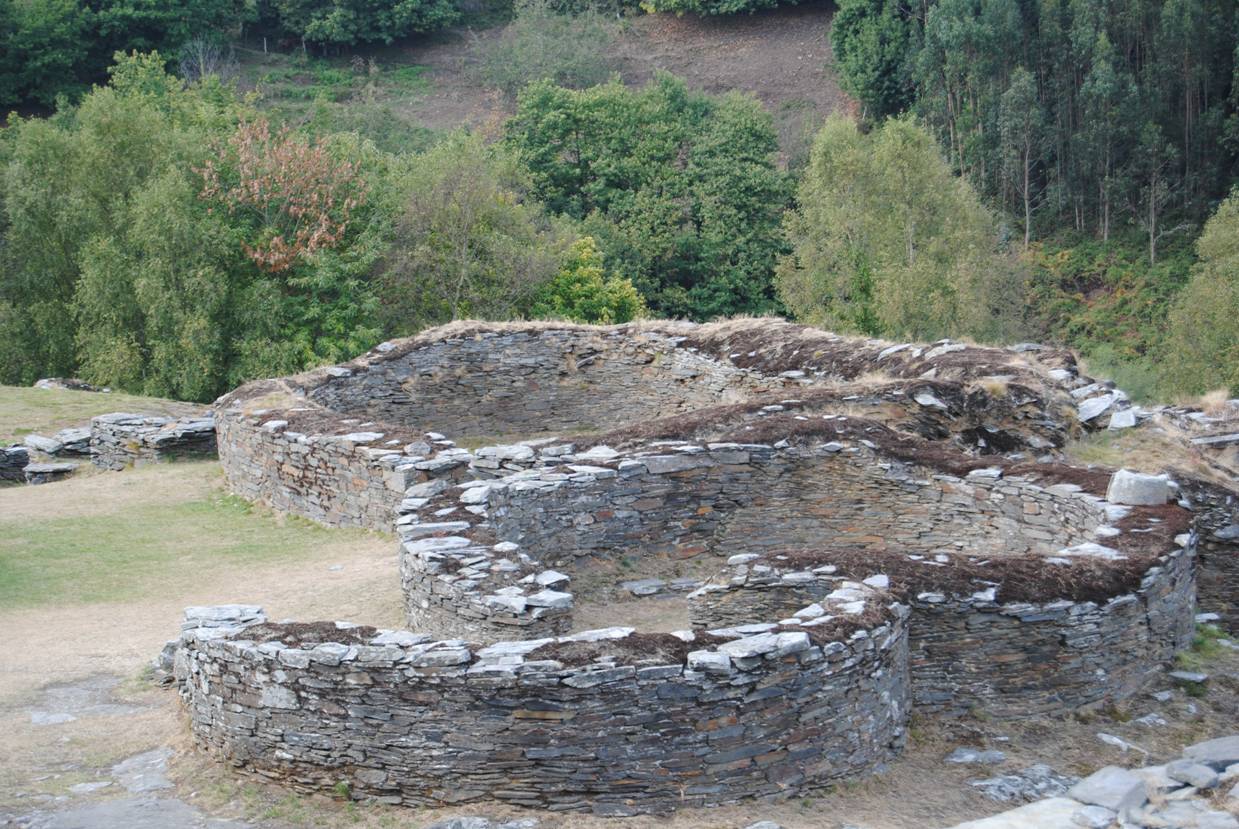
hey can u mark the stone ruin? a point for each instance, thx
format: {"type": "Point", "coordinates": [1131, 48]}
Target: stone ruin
{"type": "Point", "coordinates": [883, 529]}
{"type": "Point", "coordinates": [113, 442]}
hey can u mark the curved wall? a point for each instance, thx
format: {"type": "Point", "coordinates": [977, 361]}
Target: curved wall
{"type": "Point", "coordinates": [480, 555]}
{"type": "Point", "coordinates": [405, 720]}
{"type": "Point", "coordinates": [529, 383]}
{"type": "Point", "coordinates": [977, 652]}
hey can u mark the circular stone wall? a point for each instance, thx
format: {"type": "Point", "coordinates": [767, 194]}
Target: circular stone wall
{"type": "Point", "coordinates": [1029, 595]}
{"type": "Point", "coordinates": [756, 443]}
{"type": "Point", "coordinates": [341, 445]}
{"type": "Point", "coordinates": [607, 721]}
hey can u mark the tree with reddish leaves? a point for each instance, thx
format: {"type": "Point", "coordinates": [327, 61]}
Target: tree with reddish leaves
{"type": "Point", "coordinates": [296, 196]}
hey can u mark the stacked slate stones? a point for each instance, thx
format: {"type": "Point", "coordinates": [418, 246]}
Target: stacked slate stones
{"type": "Point", "coordinates": [120, 440]}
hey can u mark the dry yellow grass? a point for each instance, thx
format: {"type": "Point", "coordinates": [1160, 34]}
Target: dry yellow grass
{"type": "Point", "coordinates": [24, 411]}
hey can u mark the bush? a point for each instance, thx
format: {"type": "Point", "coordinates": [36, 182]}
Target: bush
{"type": "Point", "coordinates": [542, 43]}
{"type": "Point", "coordinates": [470, 240]}
{"type": "Point", "coordinates": [708, 7]}
{"type": "Point", "coordinates": [887, 241]}
{"type": "Point", "coordinates": [582, 293]}
{"type": "Point", "coordinates": [346, 22]}
{"type": "Point", "coordinates": [1202, 346]}
{"type": "Point", "coordinates": [679, 189]}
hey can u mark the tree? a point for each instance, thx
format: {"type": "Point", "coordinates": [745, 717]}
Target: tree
{"type": "Point", "coordinates": [115, 268]}
{"type": "Point", "coordinates": [41, 42]}
{"type": "Point", "coordinates": [888, 242]}
{"type": "Point", "coordinates": [1107, 96]}
{"type": "Point", "coordinates": [298, 199]}
{"type": "Point", "coordinates": [679, 189]}
{"type": "Point", "coordinates": [871, 41]}
{"type": "Point", "coordinates": [346, 22]}
{"type": "Point", "coordinates": [1152, 167]}
{"type": "Point", "coordinates": [470, 240]}
{"type": "Point", "coordinates": [1023, 129]}
{"type": "Point", "coordinates": [1202, 349]}
{"type": "Point", "coordinates": [582, 292]}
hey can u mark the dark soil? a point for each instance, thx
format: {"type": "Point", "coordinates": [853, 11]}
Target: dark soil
{"type": "Point", "coordinates": [299, 634]}
{"type": "Point", "coordinates": [636, 648]}
{"type": "Point", "coordinates": [1019, 578]}
{"type": "Point", "coordinates": [773, 346]}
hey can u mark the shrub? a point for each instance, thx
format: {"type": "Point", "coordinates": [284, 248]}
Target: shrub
{"type": "Point", "coordinates": [708, 7]}
{"type": "Point", "coordinates": [1202, 348]}
{"type": "Point", "coordinates": [582, 293]}
{"type": "Point", "coordinates": [887, 241]}
{"type": "Point", "coordinates": [542, 43]}
{"type": "Point", "coordinates": [470, 240]}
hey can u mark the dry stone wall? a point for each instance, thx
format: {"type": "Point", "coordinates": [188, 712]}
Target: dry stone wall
{"type": "Point", "coordinates": [13, 460]}
{"type": "Point", "coordinates": [120, 440]}
{"type": "Point", "coordinates": [789, 685]}
{"type": "Point", "coordinates": [528, 383]}
{"type": "Point", "coordinates": [975, 651]}
{"type": "Point", "coordinates": [491, 382]}
{"type": "Point", "coordinates": [759, 712]}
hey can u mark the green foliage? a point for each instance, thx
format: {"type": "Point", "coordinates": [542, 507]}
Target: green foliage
{"type": "Point", "coordinates": [581, 291]}
{"type": "Point", "coordinates": [1104, 298]}
{"type": "Point", "coordinates": [334, 95]}
{"type": "Point", "coordinates": [542, 43]}
{"type": "Point", "coordinates": [1202, 349]}
{"type": "Point", "coordinates": [679, 189]}
{"type": "Point", "coordinates": [708, 7]}
{"type": "Point", "coordinates": [1139, 377]}
{"type": "Point", "coordinates": [40, 45]}
{"type": "Point", "coordinates": [121, 272]}
{"type": "Point", "coordinates": [1114, 110]}
{"type": "Point", "coordinates": [58, 47]}
{"type": "Point", "coordinates": [888, 242]}
{"type": "Point", "coordinates": [470, 240]}
{"type": "Point", "coordinates": [871, 41]}
{"type": "Point", "coordinates": [346, 22]}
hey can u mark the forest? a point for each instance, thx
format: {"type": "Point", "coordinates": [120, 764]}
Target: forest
{"type": "Point", "coordinates": [1056, 170]}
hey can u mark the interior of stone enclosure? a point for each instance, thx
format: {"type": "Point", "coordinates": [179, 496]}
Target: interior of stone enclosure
{"type": "Point", "coordinates": [524, 385]}
{"type": "Point", "coordinates": [804, 497]}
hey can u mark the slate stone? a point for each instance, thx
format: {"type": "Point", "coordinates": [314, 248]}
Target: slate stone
{"type": "Point", "coordinates": [1111, 787]}
{"type": "Point", "coordinates": [1218, 753]}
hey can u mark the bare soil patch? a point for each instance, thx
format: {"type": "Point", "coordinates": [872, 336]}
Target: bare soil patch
{"type": "Point", "coordinates": [781, 55]}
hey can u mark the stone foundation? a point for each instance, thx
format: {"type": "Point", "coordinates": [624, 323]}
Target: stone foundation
{"type": "Point", "coordinates": [737, 441]}
{"type": "Point", "coordinates": [121, 440]}
{"type": "Point", "coordinates": [979, 652]}
{"type": "Point", "coordinates": [490, 382]}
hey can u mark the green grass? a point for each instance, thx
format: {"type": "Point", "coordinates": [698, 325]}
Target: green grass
{"type": "Point", "coordinates": [25, 411]}
{"type": "Point", "coordinates": [136, 550]}
{"type": "Point", "coordinates": [1205, 649]}
{"type": "Point", "coordinates": [335, 95]}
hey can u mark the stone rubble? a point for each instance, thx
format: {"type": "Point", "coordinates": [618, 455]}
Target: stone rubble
{"type": "Point", "coordinates": [1181, 794]}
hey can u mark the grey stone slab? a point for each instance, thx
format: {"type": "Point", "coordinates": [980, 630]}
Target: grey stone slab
{"type": "Point", "coordinates": [1218, 753]}
{"type": "Point", "coordinates": [1111, 787]}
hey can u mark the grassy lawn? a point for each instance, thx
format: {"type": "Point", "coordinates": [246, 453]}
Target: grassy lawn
{"type": "Point", "coordinates": [24, 411]}
{"type": "Point", "coordinates": [142, 544]}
